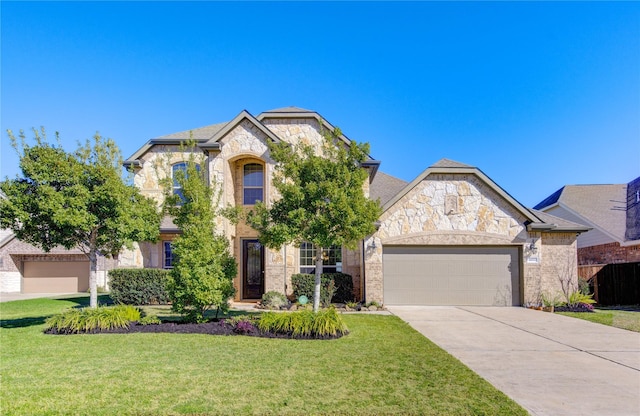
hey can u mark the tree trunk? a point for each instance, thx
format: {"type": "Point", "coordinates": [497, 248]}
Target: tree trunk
{"type": "Point", "coordinates": [318, 280]}
{"type": "Point", "coordinates": [93, 279]}
{"type": "Point", "coordinates": [93, 271]}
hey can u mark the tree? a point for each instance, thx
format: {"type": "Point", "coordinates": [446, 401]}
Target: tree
{"type": "Point", "coordinates": [75, 199]}
{"type": "Point", "coordinates": [322, 199]}
{"type": "Point", "coordinates": [203, 270]}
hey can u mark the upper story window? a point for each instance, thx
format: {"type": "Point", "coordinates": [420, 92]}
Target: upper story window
{"type": "Point", "coordinates": [253, 183]}
{"type": "Point", "coordinates": [179, 167]}
{"type": "Point", "coordinates": [332, 259]}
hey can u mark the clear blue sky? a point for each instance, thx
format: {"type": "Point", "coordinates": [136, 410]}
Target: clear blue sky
{"type": "Point", "coordinates": [537, 95]}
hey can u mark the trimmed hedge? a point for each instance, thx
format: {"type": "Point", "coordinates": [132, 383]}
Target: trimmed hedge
{"type": "Point", "coordinates": [139, 286]}
{"type": "Point", "coordinates": [303, 285]}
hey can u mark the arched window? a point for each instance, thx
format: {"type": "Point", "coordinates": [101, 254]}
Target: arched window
{"type": "Point", "coordinates": [179, 167]}
{"type": "Point", "coordinates": [253, 183]}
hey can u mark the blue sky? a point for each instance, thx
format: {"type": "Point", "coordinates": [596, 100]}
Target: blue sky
{"type": "Point", "coordinates": [537, 95]}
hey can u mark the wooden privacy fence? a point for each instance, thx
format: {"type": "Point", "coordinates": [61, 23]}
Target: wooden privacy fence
{"type": "Point", "coordinates": [614, 284]}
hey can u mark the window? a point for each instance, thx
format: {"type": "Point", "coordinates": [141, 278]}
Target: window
{"type": "Point", "coordinates": [179, 167]}
{"type": "Point", "coordinates": [167, 257]}
{"type": "Point", "coordinates": [332, 259]}
{"type": "Point", "coordinates": [252, 183]}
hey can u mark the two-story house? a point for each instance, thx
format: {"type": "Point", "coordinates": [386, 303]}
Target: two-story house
{"type": "Point", "coordinates": [450, 237]}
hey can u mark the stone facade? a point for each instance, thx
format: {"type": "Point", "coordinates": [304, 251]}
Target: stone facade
{"type": "Point", "coordinates": [445, 208]}
{"type": "Point", "coordinates": [464, 210]}
{"type": "Point", "coordinates": [243, 143]}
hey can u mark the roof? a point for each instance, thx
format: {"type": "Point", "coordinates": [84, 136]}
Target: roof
{"type": "Point", "coordinates": [199, 134]}
{"type": "Point", "coordinates": [384, 187]}
{"type": "Point", "coordinates": [602, 206]}
{"type": "Point", "coordinates": [448, 163]}
{"type": "Point", "coordinates": [168, 226]}
{"type": "Point", "coordinates": [208, 137]}
{"type": "Point", "coordinates": [290, 109]}
{"type": "Point", "coordinates": [560, 224]}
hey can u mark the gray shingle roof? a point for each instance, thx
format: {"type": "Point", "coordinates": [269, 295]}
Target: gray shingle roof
{"type": "Point", "coordinates": [199, 134]}
{"type": "Point", "coordinates": [448, 163]}
{"type": "Point", "coordinates": [290, 109]}
{"type": "Point", "coordinates": [385, 187]}
{"type": "Point", "coordinates": [561, 223]}
{"type": "Point", "coordinates": [604, 206]}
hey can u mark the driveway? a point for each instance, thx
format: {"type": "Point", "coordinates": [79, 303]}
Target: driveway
{"type": "Point", "coordinates": [548, 363]}
{"type": "Point", "coordinates": [8, 297]}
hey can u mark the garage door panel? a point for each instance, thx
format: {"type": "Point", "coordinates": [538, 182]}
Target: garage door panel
{"type": "Point", "coordinates": [55, 276]}
{"type": "Point", "coordinates": [451, 275]}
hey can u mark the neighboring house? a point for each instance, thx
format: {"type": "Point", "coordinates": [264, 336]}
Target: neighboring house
{"type": "Point", "coordinates": [28, 269]}
{"type": "Point", "coordinates": [25, 268]}
{"type": "Point", "coordinates": [450, 237]}
{"type": "Point", "coordinates": [613, 213]}
{"type": "Point", "coordinates": [609, 254]}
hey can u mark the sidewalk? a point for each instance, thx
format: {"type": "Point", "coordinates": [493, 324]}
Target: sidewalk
{"type": "Point", "coordinates": [8, 297]}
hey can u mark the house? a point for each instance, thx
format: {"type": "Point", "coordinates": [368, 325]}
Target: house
{"type": "Point", "coordinates": [612, 211]}
{"type": "Point", "coordinates": [450, 237]}
{"type": "Point", "coordinates": [25, 268]}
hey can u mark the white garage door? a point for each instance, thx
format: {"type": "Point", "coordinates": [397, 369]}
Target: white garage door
{"type": "Point", "coordinates": [418, 275]}
{"type": "Point", "coordinates": [55, 276]}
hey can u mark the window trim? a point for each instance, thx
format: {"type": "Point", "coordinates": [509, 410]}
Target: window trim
{"type": "Point", "coordinates": [176, 189]}
{"type": "Point", "coordinates": [246, 187]}
{"type": "Point", "coordinates": [169, 244]}
{"type": "Point", "coordinates": [334, 254]}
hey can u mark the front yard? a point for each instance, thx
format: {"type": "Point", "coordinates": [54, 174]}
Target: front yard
{"type": "Point", "coordinates": [382, 367]}
{"type": "Point", "coordinates": [628, 318]}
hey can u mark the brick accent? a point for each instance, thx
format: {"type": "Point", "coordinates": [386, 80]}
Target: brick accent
{"type": "Point", "coordinates": [608, 254]}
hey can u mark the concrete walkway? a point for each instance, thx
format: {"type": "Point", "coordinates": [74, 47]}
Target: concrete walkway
{"type": "Point", "coordinates": [548, 363]}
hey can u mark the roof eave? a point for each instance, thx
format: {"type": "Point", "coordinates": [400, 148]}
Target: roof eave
{"type": "Point", "coordinates": [554, 228]}
{"type": "Point", "coordinates": [373, 166]}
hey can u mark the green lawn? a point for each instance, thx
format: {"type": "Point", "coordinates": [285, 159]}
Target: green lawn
{"type": "Point", "coordinates": [625, 319]}
{"type": "Point", "coordinates": [382, 367]}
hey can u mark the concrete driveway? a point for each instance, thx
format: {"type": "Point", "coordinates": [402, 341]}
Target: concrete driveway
{"type": "Point", "coordinates": [548, 363]}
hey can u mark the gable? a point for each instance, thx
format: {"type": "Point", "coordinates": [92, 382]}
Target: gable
{"type": "Point", "coordinates": [451, 202]}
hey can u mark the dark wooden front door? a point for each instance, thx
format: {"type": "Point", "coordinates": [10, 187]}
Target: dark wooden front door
{"type": "Point", "coordinates": [252, 269]}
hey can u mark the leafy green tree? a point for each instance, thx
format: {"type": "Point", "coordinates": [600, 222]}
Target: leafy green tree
{"type": "Point", "coordinates": [322, 199]}
{"type": "Point", "coordinates": [75, 199]}
{"type": "Point", "coordinates": [203, 270]}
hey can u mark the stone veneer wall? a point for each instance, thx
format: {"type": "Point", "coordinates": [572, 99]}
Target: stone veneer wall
{"type": "Point", "coordinates": [461, 210]}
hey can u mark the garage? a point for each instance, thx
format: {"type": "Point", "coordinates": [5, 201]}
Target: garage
{"type": "Point", "coordinates": [55, 276]}
{"type": "Point", "coordinates": [427, 275]}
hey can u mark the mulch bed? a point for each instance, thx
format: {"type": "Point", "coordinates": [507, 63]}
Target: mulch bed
{"type": "Point", "coordinates": [210, 328]}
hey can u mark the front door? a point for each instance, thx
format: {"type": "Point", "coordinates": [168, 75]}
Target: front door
{"type": "Point", "coordinates": [252, 269]}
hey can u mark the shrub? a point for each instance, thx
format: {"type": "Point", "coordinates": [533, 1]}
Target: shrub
{"type": "Point", "coordinates": [139, 286]}
{"type": "Point", "coordinates": [274, 300]}
{"type": "Point", "coordinates": [303, 284]}
{"type": "Point", "coordinates": [90, 319]}
{"type": "Point", "coordinates": [150, 320]}
{"type": "Point", "coordinates": [549, 300]}
{"type": "Point", "coordinates": [304, 323]}
{"type": "Point", "coordinates": [576, 298]}
{"type": "Point", "coordinates": [243, 324]}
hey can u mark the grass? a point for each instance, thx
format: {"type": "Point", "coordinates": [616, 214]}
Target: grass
{"type": "Point", "coordinates": [625, 319]}
{"type": "Point", "coordinates": [382, 367]}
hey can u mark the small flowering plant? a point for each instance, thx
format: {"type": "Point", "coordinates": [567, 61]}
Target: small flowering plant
{"type": "Point", "coordinates": [242, 324]}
